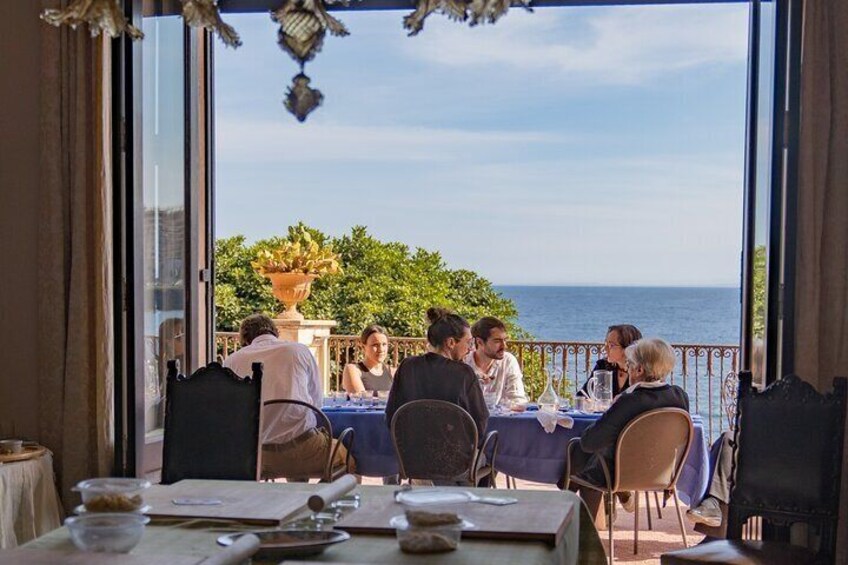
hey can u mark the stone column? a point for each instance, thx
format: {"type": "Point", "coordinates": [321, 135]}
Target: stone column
{"type": "Point", "coordinates": [313, 334]}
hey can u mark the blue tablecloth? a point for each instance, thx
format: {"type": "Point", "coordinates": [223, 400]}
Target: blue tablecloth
{"type": "Point", "coordinates": [525, 451]}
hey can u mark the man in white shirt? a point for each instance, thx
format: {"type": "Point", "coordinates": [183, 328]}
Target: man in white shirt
{"type": "Point", "coordinates": [292, 446]}
{"type": "Point", "coordinates": [497, 369]}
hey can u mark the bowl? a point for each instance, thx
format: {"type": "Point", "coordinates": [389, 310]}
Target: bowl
{"type": "Point", "coordinates": [102, 532]}
{"type": "Point", "coordinates": [112, 494]}
{"type": "Point", "coordinates": [427, 539]}
{"type": "Point", "coordinates": [11, 446]}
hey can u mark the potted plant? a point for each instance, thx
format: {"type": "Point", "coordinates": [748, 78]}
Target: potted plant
{"type": "Point", "coordinates": [293, 265]}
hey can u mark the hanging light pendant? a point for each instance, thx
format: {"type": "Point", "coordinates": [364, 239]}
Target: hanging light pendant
{"type": "Point", "coordinates": [205, 14]}
{"type": "Point", "coordinates": [100, 16]}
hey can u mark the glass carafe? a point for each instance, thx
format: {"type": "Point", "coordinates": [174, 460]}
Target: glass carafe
{"type": "Point", "coordinates": [549, 400]}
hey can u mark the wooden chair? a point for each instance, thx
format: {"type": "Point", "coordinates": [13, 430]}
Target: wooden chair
{"type": "Point", "coordinates": [437, 440]}
{"type": "Point", "coordinates": [649, 455]}
{"type": "Point", "coordinates": [212, 422]}
{"type": "Point", "coordinates": [296, 409]}
{"type": "Point", "coordinates": [787, 468]}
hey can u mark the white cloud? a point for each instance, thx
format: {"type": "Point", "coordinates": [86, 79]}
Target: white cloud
{"type": "Point", "coordinates": [266, 141]}
{"type": "Point", "coordinates": [621, 45]}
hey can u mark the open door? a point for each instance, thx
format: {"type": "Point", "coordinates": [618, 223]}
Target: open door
{"type": "Point", "coordinates": [767, 263]}
{"type": "Point", "coordinates": [163, 221]}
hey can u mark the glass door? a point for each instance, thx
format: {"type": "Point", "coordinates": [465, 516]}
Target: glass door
{"type": "Point", "coordinates": [166, 254]}
{"type": "Point", "coordinates": [768, 267]}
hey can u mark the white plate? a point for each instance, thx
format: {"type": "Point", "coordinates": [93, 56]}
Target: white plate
{"type": "Point", "coordinates": [425, 497]}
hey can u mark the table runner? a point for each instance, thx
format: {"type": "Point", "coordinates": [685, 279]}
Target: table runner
{"type": "Point", "coordinates": [525, 450]}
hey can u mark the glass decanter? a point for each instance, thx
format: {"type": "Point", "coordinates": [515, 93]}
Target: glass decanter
{"type": "Point", "coordinates": [549, 400]}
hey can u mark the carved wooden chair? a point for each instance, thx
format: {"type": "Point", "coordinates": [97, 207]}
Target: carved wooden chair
{"type": "Point", "coordinates": [649, 456]}
{"type": "Point", "coordinates": [437, 440]}
{"type": "Point", "coordinates": [787, 468]}
{"type": "Point", "coordinates": [212, 422]}
{"type": "Point", "coordinates": [295, 410]}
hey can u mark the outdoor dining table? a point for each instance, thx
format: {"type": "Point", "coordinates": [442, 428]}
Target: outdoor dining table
{"type": "Point", "coordinates": [177, 540]}
{"type": "Point", "coordinates": [525, 450]}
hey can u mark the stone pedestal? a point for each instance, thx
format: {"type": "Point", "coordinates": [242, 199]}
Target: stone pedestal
{"type": "Point", "coordinates": [313, 334]}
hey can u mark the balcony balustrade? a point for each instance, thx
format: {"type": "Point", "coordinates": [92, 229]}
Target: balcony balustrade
{"type": "Point", "coordinates": [701, 369]}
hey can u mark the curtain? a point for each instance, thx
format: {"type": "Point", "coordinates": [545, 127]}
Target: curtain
{"type": "Point", "coordinates": [74, 316]}
{"type": "Point", "coordinates": [822, 260]}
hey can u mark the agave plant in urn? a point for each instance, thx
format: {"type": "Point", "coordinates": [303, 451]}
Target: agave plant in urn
{"type": "Point", "coordinates": [293, 265]}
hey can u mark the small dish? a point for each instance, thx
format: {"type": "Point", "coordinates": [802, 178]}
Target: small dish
{"type": "Point", "coordinates": [428, 539]}
{"type": "Point", "coordinates": [427, 497]}
{"type": "Point", "coordinates": [112, 494]}
{"type": "Point", "coordinates": [290, 543]}
{"type": "Point", "coordinates": [110, 533]}
{"type": "Point", "coordinates": [81, 509]}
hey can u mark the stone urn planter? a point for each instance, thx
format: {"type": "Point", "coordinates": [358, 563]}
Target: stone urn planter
{"type": "Point", "coordinates": [291, 289]}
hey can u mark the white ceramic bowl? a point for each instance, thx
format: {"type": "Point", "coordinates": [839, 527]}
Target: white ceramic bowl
{"type": "Point", "coordinates": [111, 494]}
{"type": "Point", "coordinates": [101, 532]}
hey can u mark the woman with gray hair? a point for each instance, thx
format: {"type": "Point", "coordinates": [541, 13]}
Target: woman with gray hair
{"type": "Point", "coordinates": [649, 361]}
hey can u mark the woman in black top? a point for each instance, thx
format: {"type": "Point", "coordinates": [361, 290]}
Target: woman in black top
{"type": "Point", "coordinates": [372, 373]}
{"type": "Point", "coordinates": [619, 338]}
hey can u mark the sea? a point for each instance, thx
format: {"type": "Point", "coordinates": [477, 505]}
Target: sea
{"type": "Point", "coordinates": [680, 315]}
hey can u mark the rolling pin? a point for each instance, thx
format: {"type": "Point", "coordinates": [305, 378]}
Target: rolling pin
{"type": "Point", "coordinates": [331, 492]}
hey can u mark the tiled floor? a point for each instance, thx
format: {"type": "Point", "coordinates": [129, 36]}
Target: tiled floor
{"type": "Point", "coordinates": [665, 535]}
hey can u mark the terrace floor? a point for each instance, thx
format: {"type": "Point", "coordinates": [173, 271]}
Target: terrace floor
{"type": "Point", "coordinates": [652, 543]}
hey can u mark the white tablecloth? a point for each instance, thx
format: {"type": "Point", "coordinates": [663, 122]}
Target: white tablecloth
{"type": "Point", "coordinates": [29, 504]}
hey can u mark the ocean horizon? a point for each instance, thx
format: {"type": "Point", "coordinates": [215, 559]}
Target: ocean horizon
{"type": "Point", "coordinates": [678, 314]}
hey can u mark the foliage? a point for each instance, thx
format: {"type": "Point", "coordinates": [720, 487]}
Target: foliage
{"type": "Point", "coordinates": [383, 282]}
{"type": "Point", "coordinates": [759, 314]}
{"type": "Point", "coordinates": [298, 253]}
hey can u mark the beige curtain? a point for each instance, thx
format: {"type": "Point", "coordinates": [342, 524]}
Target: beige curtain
{"type": "Point", "coordinates": [822, 260]}
{"type": "Point", "coordinates": [75, 289]}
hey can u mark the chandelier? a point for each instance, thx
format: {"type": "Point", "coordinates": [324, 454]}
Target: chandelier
{"type": "Point", "coordinates": [303, 26]}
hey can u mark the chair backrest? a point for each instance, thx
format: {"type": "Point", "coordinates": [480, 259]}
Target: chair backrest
{"type": "Point", "coordinates": [212, 422]}
{"type": "Point", "coordinates": [434, 440]}
{"type": "Point", "coordinates": [651, 450]}
{"type": "Point", "coordinates": [788, 459]}
{"type": "Point", "coordinates": [297, 411]}
{"type": "Point", "coordinates": [729, 387]}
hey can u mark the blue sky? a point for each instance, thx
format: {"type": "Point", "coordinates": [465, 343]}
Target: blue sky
{"type": "Point", "coordinates": [567, 146]}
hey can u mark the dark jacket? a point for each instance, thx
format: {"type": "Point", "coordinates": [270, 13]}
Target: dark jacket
{"type": "Point", "coordinates": [599, 439]}
{"type": "Point", "coordinates": [435, 377]}
{"type": "Point", "coordinates": [604, 365]}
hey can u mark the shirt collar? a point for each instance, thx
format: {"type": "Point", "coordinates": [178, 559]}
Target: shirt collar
{"type": "Point", "coordinates": [264, 338]}
{"type": "Point", "coordinates": [645, 384]}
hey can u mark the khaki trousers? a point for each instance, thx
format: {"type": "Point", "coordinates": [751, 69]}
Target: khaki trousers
{"type": "Point", "coordinates": [302, 458]}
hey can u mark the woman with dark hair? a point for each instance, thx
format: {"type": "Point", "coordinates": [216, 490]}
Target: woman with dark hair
{"type": "Point", "coordinates": [619, 338]}
{"type": "Point", "coordinates": [372, 373]}
{"type": "Point", "coordinates": [441, 373]}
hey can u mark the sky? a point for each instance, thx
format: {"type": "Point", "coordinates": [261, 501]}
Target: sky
{"type": "Point", "coordinates": [568, 146]}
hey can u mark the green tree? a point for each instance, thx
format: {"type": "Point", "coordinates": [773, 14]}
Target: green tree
{"type": "Point", "coordinates": [383, 282]}
{"type": "Point", "coordinates": [759, 314]}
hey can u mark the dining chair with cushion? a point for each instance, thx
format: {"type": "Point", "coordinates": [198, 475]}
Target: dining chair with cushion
{"type": "Point", "coordinates": [649, 456]}
{"type": "Point", "coordinates": [787, 468]}
{"type": "Point", "coordinates": [295, 410]}
{"type": "Point", "coordinates": [437, 440]}
{"type": "Point", "coordinates": [212, 422]}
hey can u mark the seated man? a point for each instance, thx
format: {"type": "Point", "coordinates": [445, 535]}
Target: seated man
{"type": "Point", "coordinates": [708, 512]}
{"type": "Point", "coordinates": [440, 374]}
{"type": "Point", "coordinates": [497, 370]}
{"type": "Point", "coordinates": [648, 361]}
{"type": "Point", "coordinates": [292, 446]}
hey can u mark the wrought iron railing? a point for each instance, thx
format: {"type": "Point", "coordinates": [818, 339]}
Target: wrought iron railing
{"type": "Point", "coordinates": [701, 369]}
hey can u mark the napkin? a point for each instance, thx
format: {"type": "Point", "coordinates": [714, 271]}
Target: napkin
{"type": "Point", "coordinates": [550, 420]}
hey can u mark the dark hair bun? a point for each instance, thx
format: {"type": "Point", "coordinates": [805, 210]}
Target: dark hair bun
{"type": "Point", "coordinates": [436, 314]}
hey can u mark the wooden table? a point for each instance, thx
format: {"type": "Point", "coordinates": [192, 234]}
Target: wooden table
{"type": "Point", "coordinates": [197, 537]}
{"type": "Point", "coordinates": [29, 505]}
